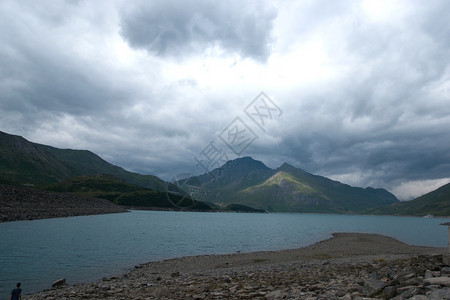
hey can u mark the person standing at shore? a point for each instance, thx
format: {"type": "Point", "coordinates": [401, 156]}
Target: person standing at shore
{"type": "Point", "coordinates": [16, 293]}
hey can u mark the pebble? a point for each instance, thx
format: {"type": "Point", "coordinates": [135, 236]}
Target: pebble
{"type": "Point", "coordinates": [407, 278]}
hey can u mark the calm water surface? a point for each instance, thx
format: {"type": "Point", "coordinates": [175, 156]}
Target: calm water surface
{"type": "Point", "coordinates": [88, 248]}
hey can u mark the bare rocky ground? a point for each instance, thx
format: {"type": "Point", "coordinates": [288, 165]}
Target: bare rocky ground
{"type": "Point", "coordinates": [19, 203]}
{"type": "Point", "coordinates": [348, 266]}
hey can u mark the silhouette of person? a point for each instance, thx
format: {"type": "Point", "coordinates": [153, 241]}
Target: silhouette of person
{"type": "Point", "coordinates": [16, 293]}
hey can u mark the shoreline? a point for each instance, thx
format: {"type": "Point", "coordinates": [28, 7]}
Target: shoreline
{"type": "Point", "coordinates": [255, 274]}
{"type": "Point", "coordinates": [28, 216]}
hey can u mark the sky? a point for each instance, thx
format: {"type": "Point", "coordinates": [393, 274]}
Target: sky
{"type": "Point", "coordinates": [358, 91]}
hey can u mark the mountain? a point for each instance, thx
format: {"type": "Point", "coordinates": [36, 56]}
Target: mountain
{"type": "Point", "coordinates": [436, 203]}
{"type": "Point", "coordinates": [286, 189]}
{"type": "Point", "coordinates": [243, 181]}
{"type": "Point", "coordinates": [23, 162]}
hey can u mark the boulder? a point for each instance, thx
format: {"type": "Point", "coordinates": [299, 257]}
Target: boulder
{"type": "Point", "coordinates": [59, 283]}
{"type": "Point", "coordinates": [428, 274]}
{"type": "Point", "coordinates": [406, 276]}
{"type": "Point", "coordinates": [277, 294]}
{"type": "Point", "coordinates": [409, 292]}
{"type": "Point", "coordinates": [440, 294]}
{"type": "Point", "coordinates": [418, 297]}
{"type": "Point", "coordinates": [389, 292]}
{"type": "Point", "coordinates": [443, 281]}
{"type": "Point", "coordinates": [373, 286]}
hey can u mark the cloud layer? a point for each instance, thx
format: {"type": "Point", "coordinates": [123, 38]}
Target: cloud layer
{"type": "Point", "coordinates": [179, 29]}
{"type": "Point", "coordinates": [363, 86]}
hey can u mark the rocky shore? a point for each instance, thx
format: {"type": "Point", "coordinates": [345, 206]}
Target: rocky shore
{"type": "Point", "coordinates": [348, 266]}
{"type": "Point", "coordinates": [19, 203]}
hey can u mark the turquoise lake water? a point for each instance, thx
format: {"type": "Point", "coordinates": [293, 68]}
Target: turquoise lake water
{"type": "Point", "coordinates": [88, 248]}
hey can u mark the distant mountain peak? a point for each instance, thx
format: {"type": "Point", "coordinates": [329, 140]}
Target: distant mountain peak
{"type": "Point", "coordinates": [245, 162]}
{"type": "Point", "coordinates": [285, 167]}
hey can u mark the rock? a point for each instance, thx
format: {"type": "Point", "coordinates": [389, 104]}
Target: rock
{"type": "Point", "coordinates": [373, 286]}
{"type": "Point", "coordinates": [428, 274]}
{"type": "Point", "coordinates": [413, 281]}
{"type": "Point", "coordinates": [445, 272]}
{"type": "Point", "coordinates": [410, 292]}
{"type": "Point", "coordinates": [390, 291]}
{"type": "Point", "coordinates": [175, 274]}
{"type": "Point", "coordinates": [419, 297]}
{"type": "Point", "coordinates": [59, 283]}
{"type": "Point", "coordinates": [439, 294]}
{"type": "Point", "coordinates": [406, 276]}
{"type": "Point", "coordinates": [346, 297]}
{"type": "Point", "coordinates": [436, 273]}
{"type": "Point", "coordinates": [443, 281]}
{"type": "Point", "coordinates": [274, 295]}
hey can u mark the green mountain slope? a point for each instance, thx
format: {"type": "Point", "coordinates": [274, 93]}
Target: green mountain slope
{"type": "Point", "coordinates": [122, 193]}
{"type": "Point", "coordinates": [436, 203]}
{"type": "Point", "coordinates": [287, 189]}
{"type": "Point", "coordinates": [24, 162]}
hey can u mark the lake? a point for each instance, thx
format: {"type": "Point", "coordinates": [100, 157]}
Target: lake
{"type": "Point", "coordinates": [88, 248]}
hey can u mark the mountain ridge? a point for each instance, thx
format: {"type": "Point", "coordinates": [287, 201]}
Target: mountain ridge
{"type": "Point", "coordinates": [436, 203]}
{"type": "Point", "coordinates": [286, 189]}
{"type": "Point", "coordinates": [243, 181]}
{"type": "Point", "coordinates": [26, 163]}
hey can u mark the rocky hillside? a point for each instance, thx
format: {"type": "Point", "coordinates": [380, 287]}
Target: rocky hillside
{"type": "Point", "coordinates": [18, 203]}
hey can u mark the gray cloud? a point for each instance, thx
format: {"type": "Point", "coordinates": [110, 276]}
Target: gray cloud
{"type": "Point", "coordinates": [178, 29]}
{"type": "Point", "coordinates": [384, 120]}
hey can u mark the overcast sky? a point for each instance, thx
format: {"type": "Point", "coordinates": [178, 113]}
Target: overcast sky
{"type": "Point", "coordinates": [358, 91]}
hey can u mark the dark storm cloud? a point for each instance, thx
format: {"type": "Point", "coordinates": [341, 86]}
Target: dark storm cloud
{"type": "Point", "coordinates": [384, 130]}
{"type": "Point", "coordinates": [40, 76]}
{"type": "Point", "coordinates": [174, 28]}
{"type": "Point", "coordinates": [51, 93]}
{"type": "Point", "coordinates": [386, 119]}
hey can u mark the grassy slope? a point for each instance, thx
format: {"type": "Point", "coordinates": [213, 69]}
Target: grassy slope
{"type": "Point", "coordinates": [122, 193]}
{"type": "Point", "coordinates": [435, 203]}
{"type": "Point", "coordinates": [83, 162]}
{"type": "Point", "coordinates": [24, 162]}
{"type": "Point", "coordinates": [296, 190]}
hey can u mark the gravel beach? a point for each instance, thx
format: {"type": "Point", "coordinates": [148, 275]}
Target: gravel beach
{"type": "Point", "coordinates": [347, 266]}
